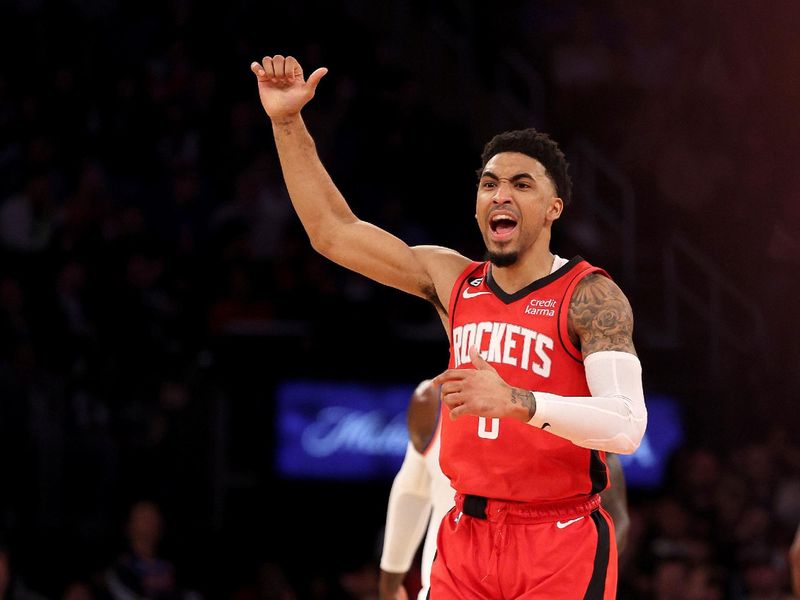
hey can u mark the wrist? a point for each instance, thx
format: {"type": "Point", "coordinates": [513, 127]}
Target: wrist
{"type": "Point", "coordinates": [288, 120]}
{"type": "Point", "coordinates": [523, 404]}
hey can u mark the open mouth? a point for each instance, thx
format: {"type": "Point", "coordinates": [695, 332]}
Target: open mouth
{"type": "Point", "coordinates": [502, 225]}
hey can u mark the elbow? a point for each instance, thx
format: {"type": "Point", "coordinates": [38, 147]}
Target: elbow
{"type": "Point", "coordinates": [622, 444]}
{"type": "Point", "coordinates": [323, 241]}
{"type": "Point", "coordinates": [326, 238]}
{"type": "Point", "coordinates": [632, 437]}
{"type": "Point", "coordinates": [320, 244]}
{"type": "Point", "coordinates": [628, 442]}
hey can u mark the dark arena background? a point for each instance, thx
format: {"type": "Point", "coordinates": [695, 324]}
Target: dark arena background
{"type": "Point", "coordinates": [170, 341]}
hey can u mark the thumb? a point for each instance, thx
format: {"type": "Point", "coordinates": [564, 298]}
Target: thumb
{"type": "Point", "coordinates": [315, 77]}
{"type": "Point", "coordinates": [478, 360]}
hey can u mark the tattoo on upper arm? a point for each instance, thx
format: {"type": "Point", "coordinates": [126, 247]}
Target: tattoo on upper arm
{"type": "Point", "coordinates": [600, 316]}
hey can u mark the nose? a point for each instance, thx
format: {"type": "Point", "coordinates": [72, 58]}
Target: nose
{"type": "Point", "coordinates": [502, 194]}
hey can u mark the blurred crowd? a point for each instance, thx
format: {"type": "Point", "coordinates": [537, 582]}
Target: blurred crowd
{"type": "Point", "coordinates": [146, 240]}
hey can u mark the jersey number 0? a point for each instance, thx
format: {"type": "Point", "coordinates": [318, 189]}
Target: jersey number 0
{"type": "Point", "coordinates": [489, 434]}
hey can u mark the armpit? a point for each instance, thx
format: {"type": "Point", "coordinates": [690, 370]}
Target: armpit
{"type": "Point", "coordinates": [600, 316]}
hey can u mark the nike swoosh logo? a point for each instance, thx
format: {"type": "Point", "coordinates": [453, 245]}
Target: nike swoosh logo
{"type": "Point", "coordinates": [561, 525]}
{"type": "Point", "coordinates": [468, 294]}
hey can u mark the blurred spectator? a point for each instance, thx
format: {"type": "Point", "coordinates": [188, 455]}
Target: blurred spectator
{"type": "Point", "coordinates": [28, 218]}
{"type": "Point", "coordinates": [141, 572]}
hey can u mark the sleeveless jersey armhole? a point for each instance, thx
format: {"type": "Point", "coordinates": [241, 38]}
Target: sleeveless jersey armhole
{"type": "Point", "coordinates": [455, 293]}
{"type": "Point", "coordinates": [563, 313]}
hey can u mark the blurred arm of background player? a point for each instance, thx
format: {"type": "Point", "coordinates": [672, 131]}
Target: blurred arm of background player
{"type": "Point", "coordinates": [421, 496]}
{"type": "Point", "coordinates": [615, 501]}
{"type": "Point", "coordinates": [794, 563]}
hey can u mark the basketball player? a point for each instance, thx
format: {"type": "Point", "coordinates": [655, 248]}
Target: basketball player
{"type": "Point", "coordinates": [421, 495]}
{"type": "Point", "coordinates": [543, 377]}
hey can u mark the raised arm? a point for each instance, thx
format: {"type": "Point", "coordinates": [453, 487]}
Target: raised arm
{"type": "Point", "coordinates": [334, 231]}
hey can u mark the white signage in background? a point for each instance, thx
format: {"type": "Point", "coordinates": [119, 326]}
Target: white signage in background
{"type": "Point", "coordinates": [344, 429]}
{"type": "Point", "coordinates": [330, 430]}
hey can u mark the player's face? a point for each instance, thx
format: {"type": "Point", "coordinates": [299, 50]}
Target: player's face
{"type": "Point", "coordinates": [516, 201]}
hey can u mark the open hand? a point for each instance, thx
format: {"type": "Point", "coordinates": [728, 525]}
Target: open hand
{"type": "Point", "coordinates": [281, 86]}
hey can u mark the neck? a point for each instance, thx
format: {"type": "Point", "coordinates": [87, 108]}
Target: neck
{"type": "Point", "coordinates": [530, 268]}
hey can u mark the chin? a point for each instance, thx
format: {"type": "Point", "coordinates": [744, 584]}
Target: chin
{"type": "Point", "coordinates": [502, 259]}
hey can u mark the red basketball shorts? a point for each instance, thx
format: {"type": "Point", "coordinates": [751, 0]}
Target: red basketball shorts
{"type": "Point", "coordinates": [490, 549]}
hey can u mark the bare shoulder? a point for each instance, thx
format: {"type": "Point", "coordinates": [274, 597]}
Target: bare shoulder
{"type": "Point", "coordinates": [443, 266]}
{"type": "Point", "coordinates": [423, 414]}
{"type": "Point", "coordinates": [600, 316]}
{"type": "Point", "coordinates": [442, 263]}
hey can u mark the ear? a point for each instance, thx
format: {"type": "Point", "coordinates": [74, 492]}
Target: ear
{"type": "Point", "coordinates": [555, 209]}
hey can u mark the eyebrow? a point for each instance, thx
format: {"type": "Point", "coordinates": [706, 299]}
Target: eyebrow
{"type": "Point", "coordinates": [512, 179]}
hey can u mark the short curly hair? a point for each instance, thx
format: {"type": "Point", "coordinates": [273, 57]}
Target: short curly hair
{"type": "Point", "coordinates": [538, 145]}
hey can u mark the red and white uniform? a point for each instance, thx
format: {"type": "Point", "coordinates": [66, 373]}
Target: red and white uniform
{"type": "Point", "coordinates": [523, 336]}
{"type": "Point", "coordinates": [543, 534]}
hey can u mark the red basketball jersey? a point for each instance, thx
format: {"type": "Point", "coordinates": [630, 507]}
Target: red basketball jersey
{"type": "Point", "coordinates": [524, 336]}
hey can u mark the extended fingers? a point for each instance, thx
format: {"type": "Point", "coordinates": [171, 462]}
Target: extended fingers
{"type": "Point", "coordinates": [450, 375]}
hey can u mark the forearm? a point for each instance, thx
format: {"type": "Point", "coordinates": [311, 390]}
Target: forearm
{"type": "Point", "coordinates": [407, 513]}
{"type": "Point", "coordinates": [613, 418]}
{"type": "Point", "coordinates": [316, 199]}
{"type": "Point", "coordinates": [333, 229]}
{"type": "Point", "coordinates": [615, 501]}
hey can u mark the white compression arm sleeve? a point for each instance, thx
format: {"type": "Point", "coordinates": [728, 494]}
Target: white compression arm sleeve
{"type": "Point", "coordinates": [407, 513]}
{"type": "Point", "coordinates": [613, 418]}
